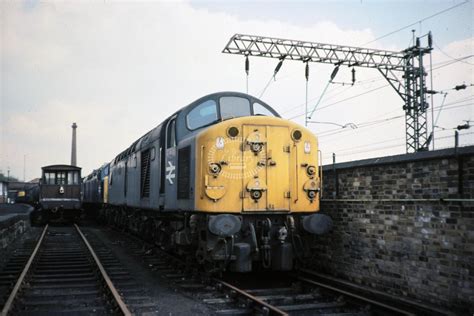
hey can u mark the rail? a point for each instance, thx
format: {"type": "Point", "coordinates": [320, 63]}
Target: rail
{"type": "Point", "coordinates": [118, 299]}
{"type": "Point", "coordinates": [19, 282]}
{"type": "Point", "coordinates": [27, 268]}
{"type": "Point", "coordinates": [267, 308]}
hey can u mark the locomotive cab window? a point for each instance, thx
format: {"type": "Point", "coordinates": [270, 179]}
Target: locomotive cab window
{"type": "Point", "coordinates": [260, 109]}
{"type": "Point", "coordinates": [202, 115]}
{"type": "Point", "coordinates": [234, 107]}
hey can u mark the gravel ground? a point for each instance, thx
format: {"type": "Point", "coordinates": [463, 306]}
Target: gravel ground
{"type": "Point", "coordinates": [167, 298]}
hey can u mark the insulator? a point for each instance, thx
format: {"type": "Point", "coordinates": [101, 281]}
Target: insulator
{"type": "Point", "coordinates": [334, 73]}
{"type": "Point", "coordinates": [430, 40]}
{"type": "Point", "coordinates": [353, 75]}
{"type": "Point", "coordinates": [247, 65]}
{"type": "Point", "coordinates": [278, 67]}
{"type": "Point", "coordinates": [417, 42]}
{"type": "Point", "coordinates": [306, 72]}
{"type": "Point", "coordinates": [464, 126]}
{"type": "Point", "coordinates": [460, 87]}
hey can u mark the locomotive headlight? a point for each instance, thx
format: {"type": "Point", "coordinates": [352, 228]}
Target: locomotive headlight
{"type": "Point", "coordinates": [215, 168]}
{"type": "Point", "coordinates": [311, 170]}
{"type": "Point", "coordinates": [220, 142]}
{"type": "Point", "coordinates": [307, 147]}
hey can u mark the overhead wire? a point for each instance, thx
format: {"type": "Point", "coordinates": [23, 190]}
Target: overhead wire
{"type": "Point", "coordinates": [450, 62]}
{"type": "Point", "coordinates": [416, 22]}
{"type": "Point", "coordinates": [346, 99]}
{"type": "Point", "coordinates": [451, 57]}
{"type": "Point", "coordinates": [331, 94]}
{"type": "Point", "coordinates": [345, 153]}
{"type": "Point", "coordinates": [363, 125]}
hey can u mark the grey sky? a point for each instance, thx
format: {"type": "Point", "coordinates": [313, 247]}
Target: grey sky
{"type": "Point", "coordinates": [118, 69]}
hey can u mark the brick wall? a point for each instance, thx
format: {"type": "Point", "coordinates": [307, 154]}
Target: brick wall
{"type": "Point", "coordinates": [393, 233]}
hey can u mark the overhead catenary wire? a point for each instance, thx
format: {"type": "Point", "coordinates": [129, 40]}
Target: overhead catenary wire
{"type": "Point", "coordinates": [345, 153]}
{"type": "Point", "coordinates": [363, 125]}
{"type": "Point", "coordinates": [451, 57]}
{"type": "Point", "coordinates": [383, 141]}
{"type": "Point", "coordinates": [332, 93]}
{"type": "Point", "coordinates": [450, 62]}
{"type": "Point", "coordinates": [416, 22]}
{"type": "Point", "coordinates": [346, 99]}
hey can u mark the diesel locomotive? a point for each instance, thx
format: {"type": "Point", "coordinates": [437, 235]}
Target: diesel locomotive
{"type": "Point", "coordinates": [224, 179]}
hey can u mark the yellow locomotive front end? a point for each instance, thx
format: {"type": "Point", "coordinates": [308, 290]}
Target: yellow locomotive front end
{"type": "Point", "coordinates": [259, 183]}
{"type": "Point", "coordinates": [257, 164]}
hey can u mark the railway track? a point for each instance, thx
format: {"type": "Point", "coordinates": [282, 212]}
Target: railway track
{"type": "Point", "coordinates": [267, 294]}
{"type": "Point", "coordinates": [63, 274]}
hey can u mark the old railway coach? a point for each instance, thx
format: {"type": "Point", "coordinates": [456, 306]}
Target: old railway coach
{"type": "Point", "coordinates": [224, 179]}
{"type": "Point", "coordinates": [59, 193]}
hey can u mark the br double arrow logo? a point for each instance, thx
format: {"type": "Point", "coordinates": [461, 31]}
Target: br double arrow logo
{"type": "Point", "coordinates": [170, 175]}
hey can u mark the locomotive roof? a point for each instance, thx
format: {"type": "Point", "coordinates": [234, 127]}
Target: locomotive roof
{"type": "Point", "coordinates": [60, 167]}
{"type": "Point", "coordinates": [217, 95]}
{"type": "Point", "coordinates": [180, 114]}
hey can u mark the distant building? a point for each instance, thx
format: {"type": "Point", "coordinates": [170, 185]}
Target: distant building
{"type": "Point", "coordinates": [35, 180]}
{"type": "Point", "coordinates": [3, 192]}
{"type": "Point", "coordinates": [17, 190]}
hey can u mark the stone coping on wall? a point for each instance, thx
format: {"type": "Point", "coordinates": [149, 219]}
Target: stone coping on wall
{"type": "Point", "coordinates": [423, 155]}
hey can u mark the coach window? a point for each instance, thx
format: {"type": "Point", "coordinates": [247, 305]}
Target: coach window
{"type": "Point", "coordinates": [61, 177]}
{"type": "Point", "coordinates": [202, 115]}
{"type": "Point", "coordinates": [49, 177]}
{"type": "Point", "coordinates": [234, 107]}
{"type": "Point", "coordinates": [259, 109]}
{"type": "Point", "coordinates": [70, 177]}
{"type": "Point", "coordinates": [73, 177]}
{"type": "Point", "coordinates": [171, 140]}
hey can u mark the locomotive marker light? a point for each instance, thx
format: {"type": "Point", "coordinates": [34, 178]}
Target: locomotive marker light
{"type": "Point", "coordinates": [220, 142]}
{"type": "Point", "coordinates": [307, 147]}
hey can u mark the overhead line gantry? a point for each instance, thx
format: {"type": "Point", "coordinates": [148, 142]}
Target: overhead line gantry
{"type": "Point", "coordinates": [403, 70]}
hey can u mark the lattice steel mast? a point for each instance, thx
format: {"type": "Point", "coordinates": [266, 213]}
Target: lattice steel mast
{"type": "Point", "coordinates": [403, 70]}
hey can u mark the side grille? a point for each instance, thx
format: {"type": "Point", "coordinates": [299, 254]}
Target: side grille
{"type": "Point", "coordinates": [145, 173]}
{"type": "Point", "coordinates": [184, 176]}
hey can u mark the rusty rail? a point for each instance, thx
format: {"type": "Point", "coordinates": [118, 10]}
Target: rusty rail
{"type": "Point", "coordinates": [118, 299]}
{"type": "Point", "coordinates": [19, 282]}
{"type": "Point", "coordinates": [267, 308]}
